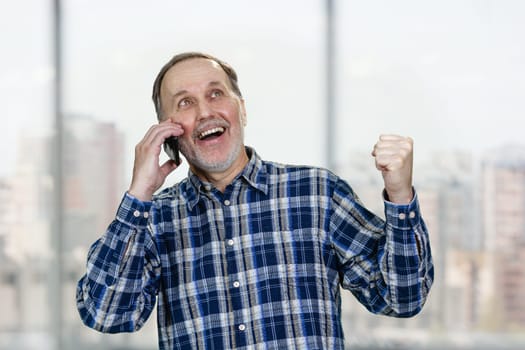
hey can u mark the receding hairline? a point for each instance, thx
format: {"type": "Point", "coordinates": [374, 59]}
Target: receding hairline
{"type": "Point", "coordinates": [188, 60]}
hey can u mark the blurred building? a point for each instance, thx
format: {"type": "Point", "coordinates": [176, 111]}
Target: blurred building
{"type": "Point", "coordinates": [364, 327]}
{"type": "Point", "coordinates": [6, 218]}
{"type": "Point", "coordinates": [25, 242]}
{"type": "Point", "coordinates": [503, 188]}
{"type": "Point", "coordinates": [446, 184]}
{"type": "Point", "coordinates": [31, 200]}
{"type": "Point", "coordinates": [93, 175]}
{"type": "Point", "coordinates": [450, 178]}
{"type": "Point", "coordinates": [7, 266]}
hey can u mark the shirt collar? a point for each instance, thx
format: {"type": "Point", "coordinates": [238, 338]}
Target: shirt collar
{"type": "Point", "coordinates": [254, 174]}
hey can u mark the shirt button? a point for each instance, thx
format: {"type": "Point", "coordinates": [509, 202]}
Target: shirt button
{"type": "Point", "coordinates": [411, 215]}
{"type": "Point", "coordinates": [402, 216]}
{"type": "Point", "coordinates": [236, 284]}
{"type": "Point", "coordinates": [242, 327]}
{"type": "Point", "coordinates": [146, 214]}
{"type": "Point", "coordinates": [207, 187]}
{"type": "Point", "coordinates": [110, 281]}
{"type": "Point", "coordinates": [226, 202]}
{"type": "Point", "coordinates": [136, 213]}
{"type": "Point", "coordinates": [230, 242]}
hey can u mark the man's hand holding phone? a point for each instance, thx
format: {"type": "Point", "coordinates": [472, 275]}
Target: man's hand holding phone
{"type": "Point", "coordinates": [148, 174]}
{"type": "Point", "coordinates": [171, 147]}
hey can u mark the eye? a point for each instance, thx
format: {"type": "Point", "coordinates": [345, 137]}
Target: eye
{"type": "Point", "coordinates": [216, 93]}
{"type": "Point", "coordinates": [185, 102]}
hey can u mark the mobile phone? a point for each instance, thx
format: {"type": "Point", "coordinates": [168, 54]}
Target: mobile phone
{"type": "Point", "coordinates": [171, 147]}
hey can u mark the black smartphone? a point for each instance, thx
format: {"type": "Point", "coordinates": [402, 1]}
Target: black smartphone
{"type": "Point", "coordinates": [171, 147]}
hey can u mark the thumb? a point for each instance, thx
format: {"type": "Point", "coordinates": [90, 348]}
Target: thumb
{"type": "Point", "coordinates": [167, 168]}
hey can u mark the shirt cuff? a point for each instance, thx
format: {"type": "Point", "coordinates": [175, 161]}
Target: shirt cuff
{"type": "Point", "coordinates": [133, 211]}
{"type": "Point", "coordinates": [403, 216]}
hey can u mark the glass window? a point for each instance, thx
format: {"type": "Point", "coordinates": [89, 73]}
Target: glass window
{"type": "Point", "coordinates": [450, 75]}
{"type": "Point", "coordinates": [26, 85]}
{"type": "Point", "coordinates": [112, 53]}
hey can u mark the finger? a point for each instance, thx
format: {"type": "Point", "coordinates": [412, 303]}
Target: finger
{"type": "Point", "coordinates": [162, 134]}
{"type": "Point", "coordinates": [393, 147]}
{"type": "Point", "coordinates": [389, 137]}
{"type": "Point", "coordinates": [392, 137]}
{"type": "Point", "coordinates": [390, 148]}
{"type": "Point", "coordinates": [393, 152]}
{"type": "Point", "coordinates": [389, 162]}
{"type": "Point", "coordinates": [167, 167]}
{"type": "Point", "coordinates": [393, 141]}
{"type": "Point", "coordinates": [170, 123]}
{"type": "Point", "coordinates": [158, 133]}
{"type": "Point", "coordinates": [385, 140]}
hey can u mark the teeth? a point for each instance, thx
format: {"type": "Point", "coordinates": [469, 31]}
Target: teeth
{"type": "Point", "coordinates": [209, 132]}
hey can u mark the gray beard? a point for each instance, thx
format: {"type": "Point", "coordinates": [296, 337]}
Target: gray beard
{"type": "Point", "coordinates": [212, 167]}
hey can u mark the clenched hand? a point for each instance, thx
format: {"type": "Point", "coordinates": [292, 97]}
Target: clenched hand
{"type": "Point", "coordinates": [394, 158]}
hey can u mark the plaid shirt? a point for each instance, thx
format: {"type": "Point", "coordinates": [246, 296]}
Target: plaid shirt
{"type": "Point", "coordinates": [257, 267]}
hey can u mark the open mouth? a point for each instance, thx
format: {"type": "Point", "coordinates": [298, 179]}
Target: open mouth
{"type": "Point", "coordinates": [211, 133]}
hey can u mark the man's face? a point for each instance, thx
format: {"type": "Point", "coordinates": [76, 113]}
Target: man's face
{"type": "Point", "coordinates": [196, 94]}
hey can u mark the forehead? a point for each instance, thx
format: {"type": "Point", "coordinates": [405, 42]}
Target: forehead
{"type": "Point", "coordinates": [192, 73]}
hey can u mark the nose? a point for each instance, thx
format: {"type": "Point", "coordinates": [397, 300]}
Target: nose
{"type": "Point", "coordinates": [204, 110]}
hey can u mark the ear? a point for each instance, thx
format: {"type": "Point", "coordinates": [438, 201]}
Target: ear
{"type": "Point", "coordinates": [243, 114]}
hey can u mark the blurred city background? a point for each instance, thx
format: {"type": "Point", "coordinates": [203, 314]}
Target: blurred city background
{"type": "Point", "coordinates": [322, 79]}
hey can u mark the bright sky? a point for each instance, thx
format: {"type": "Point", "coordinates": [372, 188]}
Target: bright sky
{"type": "Point", "coordinates": [451, 74]}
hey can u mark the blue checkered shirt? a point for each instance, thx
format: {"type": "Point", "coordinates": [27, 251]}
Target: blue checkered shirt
{"type": "Point", "coordinates": [259, 266]}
